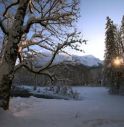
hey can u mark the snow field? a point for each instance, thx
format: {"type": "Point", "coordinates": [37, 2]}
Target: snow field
{"type": "Point", "coordinates": [97, 109]}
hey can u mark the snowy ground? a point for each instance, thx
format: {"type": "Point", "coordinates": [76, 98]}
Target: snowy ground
{"type": "Point", "coordinates": [97, 109]}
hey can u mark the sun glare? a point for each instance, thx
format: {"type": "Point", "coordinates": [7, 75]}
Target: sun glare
{"type": "Point", "coordinates": [117, 61]}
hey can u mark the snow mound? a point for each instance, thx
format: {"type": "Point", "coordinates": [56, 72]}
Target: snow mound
{"type": "Point", "coordinates": [52, 92]}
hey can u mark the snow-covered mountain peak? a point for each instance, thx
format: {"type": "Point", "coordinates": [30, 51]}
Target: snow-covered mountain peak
{"type": "Point", "coordinates": [88, 60]}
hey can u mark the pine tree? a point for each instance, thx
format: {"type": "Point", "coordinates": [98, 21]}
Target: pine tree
{"type": "Point", "coordinates": [111, 51]}
{"type": "Point", "coordinates": [122, 36]}
{"type": "Point", "coordinates": [118, 40]}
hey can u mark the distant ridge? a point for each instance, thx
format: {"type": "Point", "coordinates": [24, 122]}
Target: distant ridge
{"type": "Point", "coordinates": [87, 60]}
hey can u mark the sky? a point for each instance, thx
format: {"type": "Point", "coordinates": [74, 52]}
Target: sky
{"type": "Point", "coordinates": [92, 23]}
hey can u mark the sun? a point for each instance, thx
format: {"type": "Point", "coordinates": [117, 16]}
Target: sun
{"type": "Point", "coordinates": [117, 61]}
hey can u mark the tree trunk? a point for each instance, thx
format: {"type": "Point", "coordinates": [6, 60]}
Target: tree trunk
{"type": "Point", "coordinates": [10, 54]}
{"type": "Point", "coordinates": [35, 84]}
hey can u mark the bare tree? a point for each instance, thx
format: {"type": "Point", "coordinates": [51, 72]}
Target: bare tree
{"type": "Point", "coordinates": [27, 23]}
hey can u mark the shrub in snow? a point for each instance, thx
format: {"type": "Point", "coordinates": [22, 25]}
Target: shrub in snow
{"type": "Point", "coordinates": [63, 90]}
{"type": "Point", "coordinates": [20, 91]}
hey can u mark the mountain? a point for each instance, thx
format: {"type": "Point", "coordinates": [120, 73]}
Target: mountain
{"type": "Point", "coordinates": [69, 70]}
{"type": "Point", "coordinates": [88, 60]}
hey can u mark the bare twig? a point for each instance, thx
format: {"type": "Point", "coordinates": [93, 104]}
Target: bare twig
{"type": "Point", "coordinates": [44, 21]}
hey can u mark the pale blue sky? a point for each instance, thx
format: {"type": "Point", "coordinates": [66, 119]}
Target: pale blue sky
{"type": "Point", "coordinates": [92, 22]}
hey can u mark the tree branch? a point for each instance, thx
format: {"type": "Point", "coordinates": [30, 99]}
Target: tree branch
{"type": "Point", "coordinates": [19, 66]}
{"type": "Point", "coordinates": [44, 21]}
{"type": "Point", "coordinates": [13, 4]}
{"type": "Point", "coordinates": [59, 47]}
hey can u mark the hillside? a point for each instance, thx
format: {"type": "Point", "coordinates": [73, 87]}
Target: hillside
{"type": "Point", "coordinates": [69, 70]}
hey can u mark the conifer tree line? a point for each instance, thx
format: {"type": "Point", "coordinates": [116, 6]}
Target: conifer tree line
{"type": "Point", "coordinates": [114, 47]}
